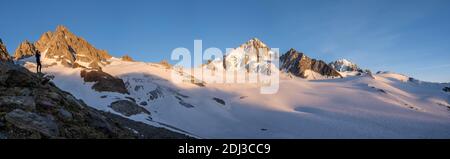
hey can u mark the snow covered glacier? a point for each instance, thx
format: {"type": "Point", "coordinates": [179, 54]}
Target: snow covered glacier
{"type": "Point", "coordinates": [383, 105]}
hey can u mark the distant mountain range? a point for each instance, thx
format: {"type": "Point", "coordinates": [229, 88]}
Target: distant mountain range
{"type": "Point", "coordinates": [255, 56]}
{"type": "Point", "coordinates": [72, 51]}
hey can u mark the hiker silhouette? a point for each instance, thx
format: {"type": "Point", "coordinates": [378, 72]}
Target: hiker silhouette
{"type": "Point", "coordinates": [38, 62]}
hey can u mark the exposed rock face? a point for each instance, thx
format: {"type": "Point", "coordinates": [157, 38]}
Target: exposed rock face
{"type": "Point", "coordinates": [22, 102]}
{"type": "Point", "coordinates": [104, 82]}
{"type": "Point", "coordinates": [25, 49]}
{"type": "Point", "coordinates": [65, 47]}
{"type": "Point", "coordinates": [127, 108]}
{"type": "Point", "coordinates": [127, 58]}
{"type": "Point", "coordinates": [218, 100]}
{"type": "Point", "coordinates": [166, 64]}
{"type": "Point", "coordinates": [30, 108]}
{"type": "Point", "coordinates": [446, 89]}
{"type": "Point", "coordinates": [4, 55]}
{"type": "Point", "coordinates": [300, 65]}
{"type": "Point", "coordinates": [32, 121]}
{"type": "Point", "coordinates": [155, 94]}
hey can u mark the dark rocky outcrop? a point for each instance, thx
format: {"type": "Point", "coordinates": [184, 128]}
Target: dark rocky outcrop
{"type": "Point", "coordinates": [218, 100]}
{"type": "Point", "coordinates": [446, 89]}
{"type": "Point", "coordinates": [127, 58]}
{"type": "Point", "coordinates": [127, 108]}
{"type": "Point", "coordinates": [145, 131]}
{"type": "Point", "coordinates": [104, 82]}
{"type": "Point", "coordinates": [30, 108]}
{"type": "Point", "coordinates": [187, 105]}
{"type": "Point", "coordinates": [297, 63]}
{"type": "Point", "coordinates": [155, 94]}
{"type": "Point", "coordinates": [33, 122]}
{"type": "Point", "coordinates": [21, 102]}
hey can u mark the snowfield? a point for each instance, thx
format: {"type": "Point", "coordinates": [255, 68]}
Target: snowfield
{"type": "Point", "coordinates": [387, 105]}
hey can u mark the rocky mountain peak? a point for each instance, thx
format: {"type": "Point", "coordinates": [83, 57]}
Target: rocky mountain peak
{"type": "Point", "coordinates": [25, 49]}
{"type": "Point", "coordinates": [66, 48]}
{"type": "Point", "coordinates": [298, 64]}
{"type": "Point", "coordinates": [4, 55]}
{"type": "Point", "coordinates": [62, 28]}
{"type": "Point", "coordinates": [254, 43]}
{"type": "Point", "coordinates": [252, 56]}
{"type": "Point", "coordinates": [292, 53]}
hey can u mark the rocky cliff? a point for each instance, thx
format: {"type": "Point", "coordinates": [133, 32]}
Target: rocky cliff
{"type": "Point", "coordinates": [4, 55]}
{"type": "Point", "coordinates": [299, 64]}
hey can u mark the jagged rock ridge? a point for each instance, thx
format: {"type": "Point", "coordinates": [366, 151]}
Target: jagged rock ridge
{"type": "Point", "coordinates": [25, 49]}
{"type": "Point", "coordinates": [65, 47]}
{"type": "Point", "coordinates": [299, 64]}
{"type": "Point", "coordinates": [255, 56]}
{"type": "Point", "coordinates": [4, 55]}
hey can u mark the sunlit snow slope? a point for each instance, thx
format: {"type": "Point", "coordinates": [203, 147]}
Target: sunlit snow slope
{"type": "Point", "coordinates": [386, 106]}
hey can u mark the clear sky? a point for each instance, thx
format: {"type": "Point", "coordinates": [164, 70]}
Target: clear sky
{"type": "Point", "coordinates": [405, 36]}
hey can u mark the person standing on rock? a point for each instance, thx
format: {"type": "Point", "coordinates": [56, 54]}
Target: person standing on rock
{"type": "Point", "coordinates": [38, 62]}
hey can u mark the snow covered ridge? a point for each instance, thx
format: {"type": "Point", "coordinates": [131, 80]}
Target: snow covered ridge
{"type": "Point", "coordinates": [387, 105]}
{"type": "Point", "coordinates": [384, 105]}
{"type": "Point", "coordinates": [343, 65]}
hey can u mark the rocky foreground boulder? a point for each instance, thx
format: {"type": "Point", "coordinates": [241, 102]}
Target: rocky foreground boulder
{"type": "Point", "coordinates": [31, 106]}
{"type": "Point", "coordinates": [104, 82]}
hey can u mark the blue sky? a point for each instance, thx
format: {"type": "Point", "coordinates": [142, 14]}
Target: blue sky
{"type": "Point", "coordinates": [405, 36]}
